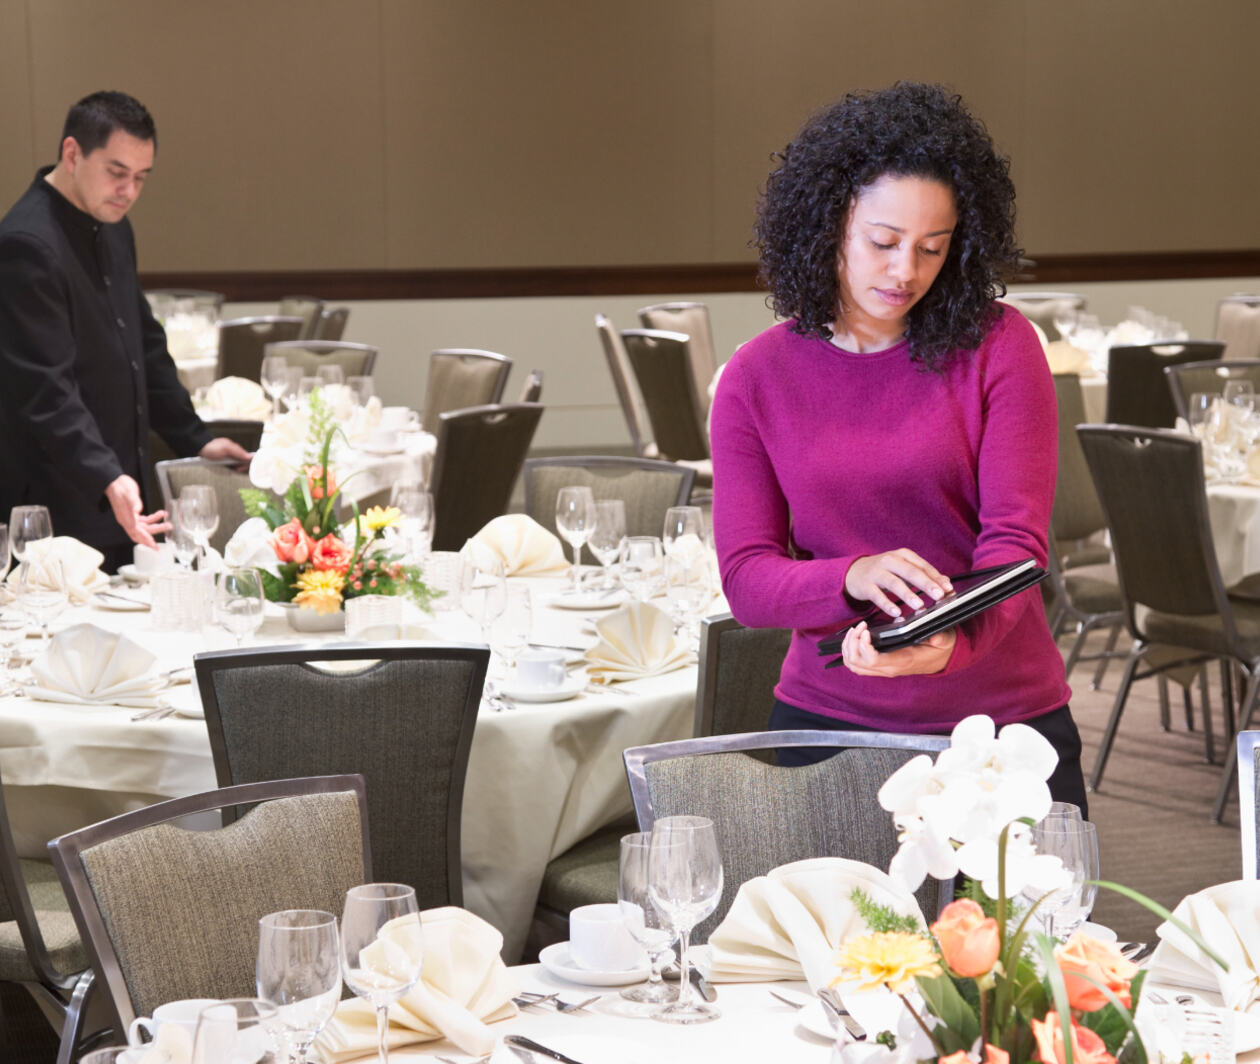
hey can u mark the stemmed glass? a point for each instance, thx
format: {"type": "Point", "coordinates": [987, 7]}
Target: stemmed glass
{"type": "Point", "coordinates": [181, 534]}
{"type": "Point", "coordinates": [513, 629]}
{"type": "Point", "coordinates": [609, 531]}
{"type": "Point", "coordinates": [292, 386]}
{"type": "Point", "coordinates": [482, 591]}
{"type": "Point", "coordinates": [299, 971]}
{"type": "Point", "coordinates": [26, 524]}
{"type": "Point", "coordinates": [684, 530]}
{"type": "Point", "coordinates": [575, 518]}
{"type": "Point", "coordinates": [274, 379]}
{"type": "Point", "coordinates": [4, 550]}
{"type": "Point", "coordinates": [416, 526]}
{"type": "Point", "coordinates": [201, 516]}
{"type": "Point", "coordinates": [236, 1029]}
{"type": "Point", "coordinates": [1075, 843]}
{"type": "Point", "coordinates": [640, 565]}
{"type": "Point", "coordinates": [330, 374]}
{"type": "Point", "coordinates": [1198, 411]}
{"type": "Point", "coordinates": [361, 389]}
{"type": "Point", "coordinates": [378, 972]}
{"type": "Point", "coordinates": [641, 918]}
{"type": "Point", "coordinates": [41, 593]}
{"type": "Point", "coordinates": [687, 590]}
{"type": "Point", "coordinates": [685, 885]}
{"type": "Point", "coordinates": [238, 602]}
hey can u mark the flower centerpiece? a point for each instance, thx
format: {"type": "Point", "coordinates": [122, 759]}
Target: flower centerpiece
{"type": "Point", "coordinates": [986, 985]}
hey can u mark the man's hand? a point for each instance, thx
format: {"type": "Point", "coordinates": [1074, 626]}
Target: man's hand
{"type": "Point", "coordinates": [919, 659]}
{"type": "Point", "coordinates": [221, 449]}
{"type": "Point", "coordinates": [123, 494]}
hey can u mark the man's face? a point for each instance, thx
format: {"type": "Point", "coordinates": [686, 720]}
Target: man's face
{"type": "Point", "coordinates": [107, 182]}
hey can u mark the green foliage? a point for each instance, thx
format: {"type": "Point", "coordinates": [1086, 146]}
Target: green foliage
{"type": "Point", "coordinates": [881, 917]}
{"type": "Point", "coordinates": [959, 1026]}
{"type": "Point", "coordinates": [262, 504]}
{"type": "Point", "coordinates": [279, 588]}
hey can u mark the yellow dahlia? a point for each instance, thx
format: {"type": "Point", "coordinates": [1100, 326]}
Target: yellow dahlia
{"type": "Point", "coordinates": [888, 958]}
{"type": "Point", "coordinates": [320, 590]}
{"type": "Point", "coordinates": [379, 517]}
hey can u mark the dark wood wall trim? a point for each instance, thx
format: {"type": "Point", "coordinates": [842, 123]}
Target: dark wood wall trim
{"type": "Point", "coordinates": [262, 286]}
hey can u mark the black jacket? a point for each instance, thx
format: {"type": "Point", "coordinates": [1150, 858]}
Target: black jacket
{"type": "Point", "coordinates": [84, 370]}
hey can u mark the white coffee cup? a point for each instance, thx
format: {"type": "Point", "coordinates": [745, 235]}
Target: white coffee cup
{"type": "Point", "coordinates": [149, 560]}
{"type": "Point", "coordinates": [600, 941]}
{"type": "Point", "coordinates": [399, 418]}
{"type": "Point", "coordinates": [540, 670]}
{"type": "Point", "coordinates": [384, 439]}
{"type": "Point", "coordinates": [178, 1013]}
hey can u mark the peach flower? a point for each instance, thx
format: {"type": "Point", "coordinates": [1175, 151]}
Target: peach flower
{"type": "Point", "coordinates": [1087, 966]}
{"type": "Point", "coordinates": [968, 939]}
{"type": "Point", "coordinates": [314, 473]}
{"type": "Point", "coordinates": [331, 553]}
{"type": "Point", "coordinates": [291, 543]}
{"type": "Point", "coordinates": [992, 1055]}
{"type": "Point", "coordinates": [1087, 1046]}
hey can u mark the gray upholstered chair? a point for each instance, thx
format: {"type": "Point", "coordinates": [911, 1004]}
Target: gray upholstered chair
{"type": "Point", "coordinates": [768, 815]}
{"type": "Point", "coordinates": [738, 670]}
{"type": "Point", "coordinates": [242, 340]}
{"type": "Point", "coordinates": [460, 378]}
{"type": "Point", "coordinates": [226, 480]}
{"type": "Point", "coordinates": [308, 308]}
{"type": "Point", "coordinates": [479, 455]}
{"type": "Point", "coordinates": [1238, 326]}
{"type": "Point", "coordinates": [167, 912]}
{"type": "Point", "coordinates": [531, 392]}
{"type": "Point", "coordinates": [628, 395]}
{"type": "Point", "coordinates": [1209, 377]}
{"type": "Point", "coordinates": [1137, 390]}
{"type": "Point", "coordinates": [691, 319]}
{"type": "Point", "coordinates": [355, 360]}
{"type": "Point", "coordinates": [1248, 744]}
{"type": "Point", "coordinates": [647, 487]}
{"type": "Point", "coordinates": [402, 714]}
{"type": "Point", "coordinates": [1044, 307]}
{"type": "Point", "coordinates": [244, 431]}
{"type": "Point", "coordinates": [332, 324]}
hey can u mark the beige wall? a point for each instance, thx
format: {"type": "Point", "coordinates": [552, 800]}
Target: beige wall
{"type": "Point", "coordinates": [328, 134]}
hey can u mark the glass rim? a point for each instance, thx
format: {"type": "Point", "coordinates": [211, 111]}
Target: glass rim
{"type": "Point", "coordinates": [383, 891]}
{"type": "Point", "coordinates": [273, 920]}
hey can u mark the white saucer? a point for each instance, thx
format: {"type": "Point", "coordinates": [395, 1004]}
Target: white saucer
{"type": "Point", "coordinates": [587, 600]}
{"type": "Point", "coordinates": [378, 449]}
{"type": "Point", "coordinates": [571, 687]}
{"type": "Point", "coordinates": [132, 575]}
{"type": "Point", "coordinates": [555, 958]}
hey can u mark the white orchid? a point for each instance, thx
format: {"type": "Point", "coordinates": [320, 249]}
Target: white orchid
{"type": "Point", "coordinates": [923, 852]}
{"type": "Point", "coordinates": [250, 546]}
{"type": "Point", "coordinates": [1039, 873]}
{"type": "Point", "coordinates": [274, 468]}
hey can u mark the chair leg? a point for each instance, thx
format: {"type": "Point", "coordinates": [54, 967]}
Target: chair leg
{"type": "Point", "coordinates": [1113, 722]}
{"type": "Point", "coordinates": [1078, 644]}
{"type": "Point", "coordinates": [1245, 711]}
{"type": "Point", "coordinates": [1108, 651]}
{"type": "Point", "coordinates": [1209, 746]}
{"type": "Point", "coordinates": [76, 1014]}
{"type": "Point", "coordinates": [1163, 703]}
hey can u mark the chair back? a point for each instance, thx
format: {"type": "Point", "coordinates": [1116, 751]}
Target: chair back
{"type": "Point", "coordinates": [1044, 308]}
{"type": "Point", "coordinates": [769, 815]}
{"type": "Point", "coordinates": [739, 668]}
{"type": "Point", "coordinates": [1137, 390]}
{"type": "Point", "coordinates": [661, 362]}
{"type": "Point", "coordinates": [628, 394]}
{"type": "Point", "coordinates": [355, 360]}
{"type": "Point", "coordinates": [244, 431]}
{"type": "Point", "coordinates": [308, 308]}
{"type": "Point", "coordinates": [460, 378]}
{"type": "Point", "coordinates": [691, 319]}
{"type": "Point", "coordinates": [1187, 378]}
{"type": "Point", "coordinates": [242, 340]}
{"type": "Point", "coordinates": [1248, 748]}
{"type": "Point", "coordinates": [647, 487]}
{"type": "Point", "coordinates": [401, 714]}
{"type": "Point", "coordinates": [331, 324]}
{"type": "Point", "coordinates": [532, 391]}
{"type": "Point", "coordinates": [479, 455]}
{"type": "Point", "coordinates": [1077, 513]}
{"type": "Point", "coordinates": [226, 480]}
{"type": "Point", "coordinates": [1238, 326]}
{"type": "Point", "coordinates": [167, 912]}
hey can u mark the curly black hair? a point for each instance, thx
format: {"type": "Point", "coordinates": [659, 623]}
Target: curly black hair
{"type": "Point", "coordinates": [908, 130]}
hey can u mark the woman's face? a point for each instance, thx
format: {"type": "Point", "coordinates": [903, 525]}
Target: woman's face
{"type": "Point", "coordinates": [894, 243]}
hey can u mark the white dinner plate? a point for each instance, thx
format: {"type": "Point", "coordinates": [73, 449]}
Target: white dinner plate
{"type": "Point", "coordinates": [133, 575]}
{"type": "Point", "coordinates": [1246, 1032]}
{"type": "Point", "coordinates": [813, 1018]}
{"type": "Point", "coordinates": [186, 701]}
{"type": "Point", "coordinates": [555, 958]}
{"type": "Point", "coordinates": [244, 1054]}
{"type": "Point", "coordinates": [571, 687]}
{"type": "Point", "coordinates": [587, 600]}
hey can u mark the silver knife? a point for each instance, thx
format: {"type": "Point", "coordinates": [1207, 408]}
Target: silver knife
{"type": "Point", "coordinates": [670, 975]}
{"type": "Point", "coordinates": [520, 1045]}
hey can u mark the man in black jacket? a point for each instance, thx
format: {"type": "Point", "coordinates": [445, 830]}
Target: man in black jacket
{"type": "Point", "coordinates": [84, 369]}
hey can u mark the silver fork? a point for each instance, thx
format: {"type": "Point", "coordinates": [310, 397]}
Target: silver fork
{"type": "Point", "coordinates": [576, 1006]}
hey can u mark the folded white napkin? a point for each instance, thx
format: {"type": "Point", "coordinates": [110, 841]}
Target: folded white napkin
{"type": "Point", "coordinates": [1065, 358]}
{"type": "Point", "coordinates": [1227, 917]}
{"type": "Point", "coordinates": [63, 563]}
{"type": "Point", "coordinates": [788, 924]}
{"type": "Point", "coordinates": [463, 986]}
{"type": "Point", "coordinates": [636, 641]}
{"type": "Point", "coordinates": [237, 397]}
{"type": "Point", "coordinates": [91, 666]}
{"type": "Point", "coordinates": [523, 545]}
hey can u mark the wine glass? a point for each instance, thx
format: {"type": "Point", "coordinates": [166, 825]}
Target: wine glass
{"type": "Point", "coordinates": [274, 379]}
{"type": "Point", "coordinates": [361, 388]}
{"type": "Point", "coordinates": [575, 518]}
{"type": "Point", "coordinates": [41, 592]}
{"type": "Point", "coordinates": [684, 530]}
{"type": "Point", "coordinates": [513, 629]}
{"type": "Point", "coordinates": [641, 918]}
{"type": "Point", "coordinates": [28, 523]}
{"type": "Point", "coordinates": [238, 602]}
{"type": "Point", "coordinates": [292, 386]}
{"type": "Point", "coordinates": [377, 913]}
{"type": "Point", "coordinates": [236, 1029]}
{"type": "Point", "coordinates": [482, 590]}
{"type": "Point", "coordinates": [640, 565]}
{"type": "Point", "coordinates": [330, 374]}
{"type": "Point", "coordinates": [4, 550]}
{"type": "Point", "coordinates": [606, 537]}
{"type": "Point", "coordinates": [307, 387]}
{"type": "Point", "coordinates": [1075, 843]}
{"type": "Point", "coordinates": [201, 514]}
{"type": "Point", "coordinates": [687, 590]}
{"type": "Point", "coordinates": [416, 524]}
{"type": "Point", "coordinates": [181, 534]}
{"type": "Point", "coordinates": [299, 971]}
{"type": "Point", "coordinates": [1198, 410]}
{"type": "Point", "coordinates": [685, 885]}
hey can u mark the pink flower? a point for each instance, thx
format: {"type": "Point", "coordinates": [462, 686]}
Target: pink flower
{"type": "Point", "coordinates": [968, 939]}
{"type": "Point", "coordinates": [331, 553]}
{"type": "Point", "coordinates": [314, 475]}
{"type": "Point", "coordinates": [1087, 1046]}
{"type": "Point", "coordinates": [1087, 966]}
{"type": "Point", "coordinates": [291, 543]}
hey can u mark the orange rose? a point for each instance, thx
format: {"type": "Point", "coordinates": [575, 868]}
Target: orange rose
{"type": "Point", "coordinates": [1087, 1046]}
{"type": "Point", "coordinates": [992, 1055]}
{"type": "Point", "coordinates": [315, 473]}
{"type": "Point", "coordinates": [331, 553]}
{"type": "Point", "coordinates": [1087, 966]}
{"type": "Point", "coordinates": [291, 543]}
{"type": "Point", "coordinates": [968, 939]}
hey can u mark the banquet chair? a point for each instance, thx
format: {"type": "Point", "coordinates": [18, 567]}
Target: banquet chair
{"type": "Point", "coordinates": [1175, 604]}
{"type": "Point", "coordinates": [738, 670]}
{"type": "Point", "coordinates": [691, 319]}
{"type": "Point", "coordinates": [246, 432]}
{"type": "Point", "coordinates": [355, 360]}
{"type": "Point", "coordinates": [1137, 390]}
{"type": "Point", "coordinates": [308, 308]}
{"type": "Point", "coordinates": [242, 340]}
{"type": "Point", "coordinates": [332, 324]}
{"type": "Point", "coordinates": [647, 487]}
{"type": "Point", "coordinates": [479, 455]}
{"type": "Point", "coordinates": [223, 476]}
{"type": "Point", "coordinates": [399, 713]}
{"type": "Point", "coordinates": [1248, 746]}
{"type": "Point", "coordinates": [167, 912]}
{"type": "Point", "coordinates": [532, 391]}
{"type": "Point", "coordinates": [628, 394]}
{"type": "Point", "coordinates": [1187, 378]}
{"type": "Point", "coordinates": [460, 378]}
{"type": "Point", "coordinates": [769, 815]}
{"type": "Point", "coordinates": [1238, 326]}
{"type": "Point", "coordinates": [1044, 307]}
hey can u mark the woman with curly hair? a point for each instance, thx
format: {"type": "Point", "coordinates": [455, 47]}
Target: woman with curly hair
{"type": "Point", "coordinates": [899, 426]}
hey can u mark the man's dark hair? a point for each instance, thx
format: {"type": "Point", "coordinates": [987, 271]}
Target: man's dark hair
{"type": "Point", "coordinates": [93, 120]}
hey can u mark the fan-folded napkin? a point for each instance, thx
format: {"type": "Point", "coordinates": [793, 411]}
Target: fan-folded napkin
{"type": "Point", "coordinates": [636, 641]}
{"type": "Point", "coordinates": [789, 923]}
{"type": "Point", "coordinates": [89, 665]}
{"type": "Point", "coordinates": [463, 986]}
{"type": "Point", "coordinates": [523, 545]}
{"type": "Point", "coordinates": [237, 397]}
{"type": "Point", "coordinates": [1227, 918]}
{"type": "Point", "coordinates": [62, 563]}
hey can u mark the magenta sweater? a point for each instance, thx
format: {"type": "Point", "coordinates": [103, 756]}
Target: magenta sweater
{"type": "Point", "coordinates": [845, 455]}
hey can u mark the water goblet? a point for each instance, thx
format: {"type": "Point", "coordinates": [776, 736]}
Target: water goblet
{"type": "Point", "coordinates": [236, 1029]}
{"type": "Point", "coordinates": [514, 627]}
{"type": "Point", "coordinates": [202, 512]}
{"type": "Point", "coordinates": [361, 388]}
{"type": "Point", "coordinates": [299, 971]}
{"type": "Point", "coordinates": [26, 524]}
{"type": "Point", "coordinates": [1198, 409]}
{"type": "Point", "coordinates": [1240, 393]}
{"type": "Point", "coordinates": [5, 557]}
{"type": "Point", "coordinates": [307, 387]}
{"type": "Point", "coordinates": [416, 524]}
{"type": "Point", "coordinates": [684, 530]}
{"type": "Point", "coordinates": [374, 913]}
{"type": "Point", "coordinates": [238, 602]}
{"type": "Point", "coordinates": [482, 591]}
{"type": "Point", "coordinates": [606, 537]}
{"type": "Point", "coordinates": [41, 592]}
{"type": "Point", "coordinates": [331, 374]}
{"type": "Point", "coordinates": [292, 386]}
{"type": "Point", "coordinates": [1075, 843]}
{"type": "Point", "coordinates": [182, 515]}
{"type": "Point", "coordinates": [640, 565]}
{"type": "Point", "coordinates": [687, 591]}
{"type": "Point", "coordinates": [274, 378]}
{"type": "Point", "coordinates": [575, 518]}
{"type": "Point", "coordinates": [685, 885]}
{"type": "Point", "coordinates": [641, 918]}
